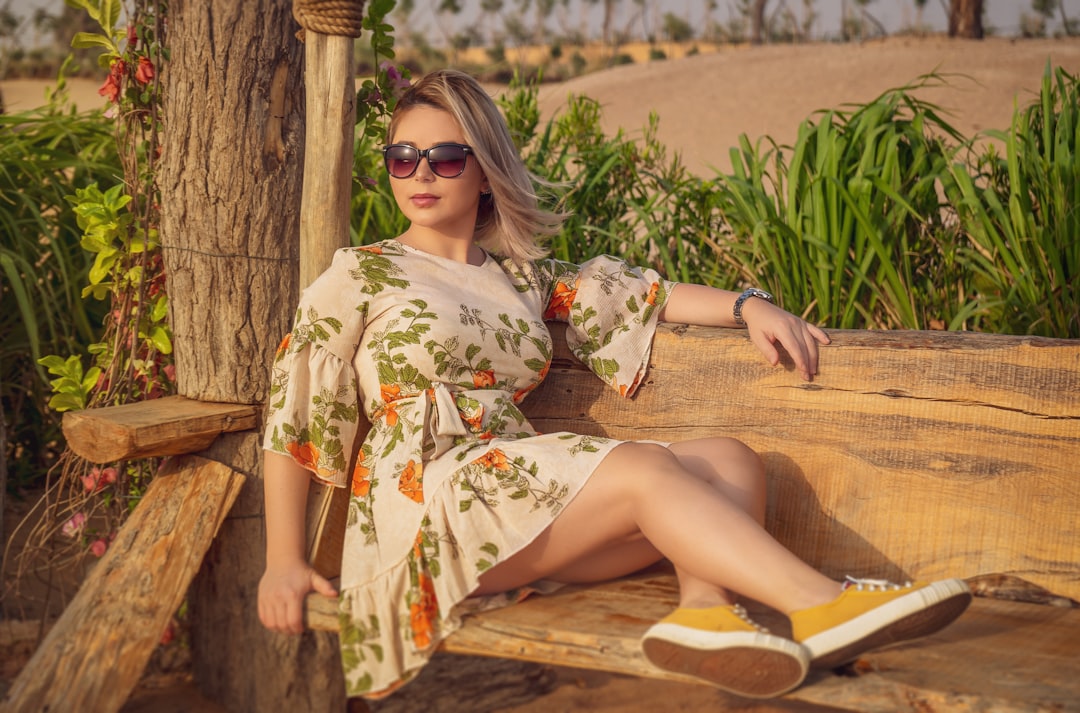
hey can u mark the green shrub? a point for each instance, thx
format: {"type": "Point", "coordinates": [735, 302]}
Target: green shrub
{"type": "Point", "coordinates": [1022, 215]}
{"type": "Point", "coordinates": [45, 155]}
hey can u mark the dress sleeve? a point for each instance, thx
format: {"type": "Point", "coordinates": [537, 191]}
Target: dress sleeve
{"type": "Point", "coordinates": [313, 412]}
{"type": "Point", "coordinates": [611, 310]}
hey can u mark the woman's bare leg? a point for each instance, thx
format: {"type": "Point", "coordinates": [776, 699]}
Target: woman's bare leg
{"type": "Point", "coordinates": [645, 500]}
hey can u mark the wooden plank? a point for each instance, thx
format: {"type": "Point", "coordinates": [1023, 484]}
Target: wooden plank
{"type": "Point", "coordinates": [911, 455]}
{"type": "Point", "coordinates": [172, 425]}
{"type": "Point", "coordinates": [1001, 655]}
{"type": "Point", "coordinates": [93, 656]}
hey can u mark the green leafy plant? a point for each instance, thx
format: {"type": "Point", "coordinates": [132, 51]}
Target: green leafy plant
{"type": "Point", "coordinates": [45, 155]}
{"type": "Point", "coordinates": [847, 225]}
{"type": "Point", "coordinates": [129, 348]}
{"type": "Point", "coordinates": [1021, 212]}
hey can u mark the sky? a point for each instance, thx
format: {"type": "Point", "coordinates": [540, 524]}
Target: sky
{"type": "Point", "coordinates": [1003, 15]}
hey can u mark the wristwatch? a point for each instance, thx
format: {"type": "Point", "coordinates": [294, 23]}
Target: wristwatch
{"type": "Point", "coordinates": [747, 294]}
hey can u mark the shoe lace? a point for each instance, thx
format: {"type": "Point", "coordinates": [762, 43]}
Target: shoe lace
{"type": "Point", "coordinates": [873, 585]}
{"type": "Point", "coordinates": [740, 612]}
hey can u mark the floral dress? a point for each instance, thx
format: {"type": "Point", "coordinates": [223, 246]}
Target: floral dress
{"type": "Point", "coordinates": [450, 478]}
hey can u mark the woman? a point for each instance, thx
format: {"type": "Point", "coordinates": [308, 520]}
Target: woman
{"type": "Point", "coordinates": [458, 504]}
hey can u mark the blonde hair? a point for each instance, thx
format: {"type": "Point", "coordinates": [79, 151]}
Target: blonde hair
{"type": "Point", "coordinates": [509, 221]}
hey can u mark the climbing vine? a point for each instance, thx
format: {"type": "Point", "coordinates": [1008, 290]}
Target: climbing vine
{"type": "Point", "coordinates": [84, 503]}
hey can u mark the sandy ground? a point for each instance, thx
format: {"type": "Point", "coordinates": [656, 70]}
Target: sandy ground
{"type": "Point", "coordinates": [704, 103]}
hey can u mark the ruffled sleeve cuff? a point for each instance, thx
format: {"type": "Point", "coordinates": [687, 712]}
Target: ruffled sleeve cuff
{"type": "Point", "coordinates": [612, 310]}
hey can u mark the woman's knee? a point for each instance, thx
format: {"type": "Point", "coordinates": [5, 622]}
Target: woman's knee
{"type": "Point", "coordinates": [636, 468]}
{"type": "Point", "coordinates": [729, 464]}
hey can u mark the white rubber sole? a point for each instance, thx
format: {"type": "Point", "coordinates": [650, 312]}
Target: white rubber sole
{"type": "Point", "coordinates": [751, 664]}
{"type": "Point", "coordinates": [916, 614]}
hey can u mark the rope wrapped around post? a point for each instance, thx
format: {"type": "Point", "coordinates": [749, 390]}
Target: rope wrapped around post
{"type": "Point", "coordinates": [330, 17]}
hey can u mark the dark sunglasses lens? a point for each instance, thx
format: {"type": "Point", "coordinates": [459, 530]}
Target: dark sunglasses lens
{"type": "Point", "coordinates": [401, 161]}
{"type": "Point", "coordinates": [447, 161]}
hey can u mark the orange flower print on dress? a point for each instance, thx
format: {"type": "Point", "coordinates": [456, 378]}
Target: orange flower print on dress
{"type": "Point", "coordinates": [483, 379]}
{"type": "Point", "coordinates": [411, 481]}
{"type": "Point", "coordinates": [306, 454]}
{"type": "Point", "coordinates": [559, 306]}
{"type": "Point", "coordinates": [423, 613]}
{"type": "Point", "coordinates": [361, 478]}
{"type": "Point", "coordinates": [495, 459]}
{"type": "Point", "coordinates": [520, 394]}
{"type": "Point", "coordinates": [284, 344]}
{"type": "Point", "coordinates": [373, 249]}
{"type": "Point", "coordinates": [389, 412]}
{"type": "Point", "coordinates": [654, 289]}
{"type": "Point", "coordinates": [389, 392]}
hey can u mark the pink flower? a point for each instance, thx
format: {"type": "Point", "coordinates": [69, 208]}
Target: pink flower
{"type": "Point", "coordinates": [98, 478]}
{"type": "Point", "coordinates": [170, 373]}
{"type": "Point", "coordinates": [394, 77]}
{"type": "Point", "coordinates": [74, 527]}
{"type": "Point", "coordinates": [98, 547]}
{"type": "Point", "coordinates": [144, 73]}
{"type": "Point", "coordinates": [132, 34]}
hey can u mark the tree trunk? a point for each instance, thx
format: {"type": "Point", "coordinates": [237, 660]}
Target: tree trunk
{"type": "Point", "coordinates": [965, 19]}
{"type": "Point", "coordinates": [231, 181]}
{"type": "Point", "coordinates": [757, 22]}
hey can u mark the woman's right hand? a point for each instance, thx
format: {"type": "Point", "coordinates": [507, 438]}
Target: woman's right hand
{"type": "Point", "coordinates": [282, 590]}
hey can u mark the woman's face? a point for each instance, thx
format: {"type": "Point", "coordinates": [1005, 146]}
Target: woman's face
{"type": "Point", "coordinates": [431, 202]}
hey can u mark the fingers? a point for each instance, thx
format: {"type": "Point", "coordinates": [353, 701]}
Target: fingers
{"type": "Point", "coordinates": [282, 594]}
{"type": "Point", "coordinates": [798, 338]}
{"type": "Point", "coordinates": [321, 585]}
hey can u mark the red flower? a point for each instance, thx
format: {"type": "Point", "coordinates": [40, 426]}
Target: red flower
{"type": "Point", "coordinates": [111, 87]}
{"type": "Point", "coordinates": [144, 73]}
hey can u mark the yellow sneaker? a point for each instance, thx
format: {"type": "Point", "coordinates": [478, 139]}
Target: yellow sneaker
{"type": "Point", "coordinates": [723, 646]}
{"type": "Point", "coordinates": [871, 613]}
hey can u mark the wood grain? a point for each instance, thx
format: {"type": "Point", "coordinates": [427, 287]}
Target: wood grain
{"type": "Point", "coordinates": [93, 656]}
{"type": "Point", "coordinates": [1000, 655]}
{"type": "Point", "coordinates": [172, 425]}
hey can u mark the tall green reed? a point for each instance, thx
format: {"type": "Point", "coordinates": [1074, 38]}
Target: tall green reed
{"type": "Point", "coordinates": [1021, 212]}
{"type": "Point", "coordinates": [848, 225]}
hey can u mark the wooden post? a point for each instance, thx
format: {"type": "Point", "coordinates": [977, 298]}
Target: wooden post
{"type": "Point", "coordinates": [328, 156]}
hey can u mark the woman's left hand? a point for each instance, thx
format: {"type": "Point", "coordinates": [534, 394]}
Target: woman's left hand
{"type": "Point", "coordinates": [769, 325]}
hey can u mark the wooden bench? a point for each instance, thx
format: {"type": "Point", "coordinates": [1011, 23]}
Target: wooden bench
{"type": "Point", "coordinates": [913, 455]}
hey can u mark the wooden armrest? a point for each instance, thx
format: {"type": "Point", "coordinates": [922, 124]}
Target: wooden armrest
{"type": "Point", "coordinates": [172, 425]}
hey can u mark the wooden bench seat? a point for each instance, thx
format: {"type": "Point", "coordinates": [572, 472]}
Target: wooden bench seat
{"type": "Point", "coordinates": [913, 455]}
{"type": "Point", "coordinates": [1004, 655]}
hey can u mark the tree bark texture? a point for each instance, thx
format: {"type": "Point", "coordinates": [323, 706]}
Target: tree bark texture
{"type": "Point", "coordinates": [231, 183]}
{"type": "Point", "coordinates": [965, 19]}
{"type": "Point", "coordinates": [231, 186]}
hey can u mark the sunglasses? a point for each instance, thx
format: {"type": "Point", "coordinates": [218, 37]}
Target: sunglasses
{"type": "Point", "coordinates": [445, 160]}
